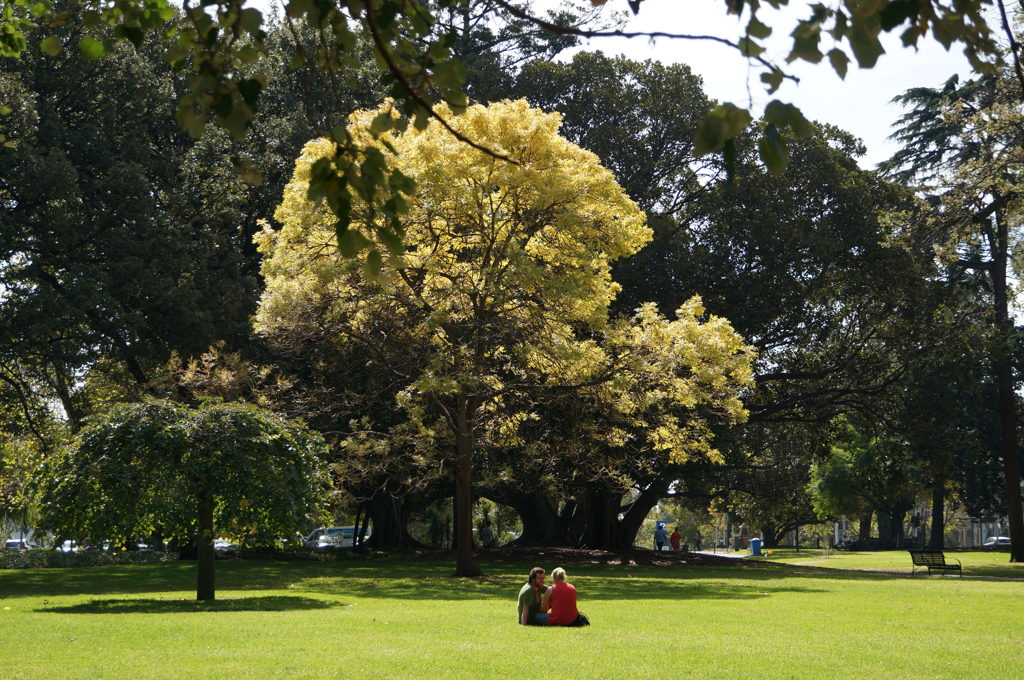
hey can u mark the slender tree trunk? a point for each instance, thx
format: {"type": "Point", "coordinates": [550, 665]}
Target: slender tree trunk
{"type": "Point", "coordinates": [361, 529]}
{"type": "Point", "coordinates": [204, 549]}
{"type": "Point", "coordinates": [937, 539]}
{"type": "Point", "coordinates": [1007, 398]}
{"type": "Point", "coordinates": [465, 565]}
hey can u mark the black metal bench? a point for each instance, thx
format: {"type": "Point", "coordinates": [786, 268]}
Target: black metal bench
{"type": "Point", "coordinates": [933, 559]}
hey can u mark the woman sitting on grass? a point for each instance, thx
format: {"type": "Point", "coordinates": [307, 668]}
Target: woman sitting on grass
{"type": "Point", "coordinates": [560, 598]}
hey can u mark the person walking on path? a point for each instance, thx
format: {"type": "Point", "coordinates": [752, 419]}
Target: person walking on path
{"type": "Point", "coordinates": [696, 539]}
{"type": "Point", "coordinates": [675, 539]}
{"type": "Point", "coordinates": [659, 537]}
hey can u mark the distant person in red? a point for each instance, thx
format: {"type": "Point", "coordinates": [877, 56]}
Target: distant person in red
{"type": "Point", "coordinates": [674, 539]}
{"type": "Point", "coordinates": [560, 598]}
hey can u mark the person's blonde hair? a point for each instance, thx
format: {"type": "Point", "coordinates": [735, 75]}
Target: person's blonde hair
{"type": "Point", "coordinates": [558, 575]}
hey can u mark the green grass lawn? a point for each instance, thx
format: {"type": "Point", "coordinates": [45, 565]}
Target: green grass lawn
{"type": "Point", "coordinates": [411, 620]}
{"type": "Point", "coordinates": [982, 564]}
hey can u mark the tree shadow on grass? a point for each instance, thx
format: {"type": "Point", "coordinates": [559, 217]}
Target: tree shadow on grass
{"type": "Point", "coordinates": [272, 603]}
{"type": "Point", "coordinates": [408, 579]}
{"type": "Point", "coordinates": [153, 578]}
{"type": "Point", "coordinates": [446, 588]}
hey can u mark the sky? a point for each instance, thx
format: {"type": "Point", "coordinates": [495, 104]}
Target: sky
{"type": "Point", "coordinates": [860, 104]}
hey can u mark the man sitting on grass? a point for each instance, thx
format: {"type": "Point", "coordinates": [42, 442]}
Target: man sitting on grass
{"type": "Point", "coordinates": [530, 613]}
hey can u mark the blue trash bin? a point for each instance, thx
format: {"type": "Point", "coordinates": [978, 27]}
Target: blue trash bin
{"type": "Point", "coordinates": [755, 546]}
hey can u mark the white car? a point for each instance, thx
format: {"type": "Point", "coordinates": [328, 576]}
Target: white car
{"type": "Point", "coordinates": [325, 538]}
{"type": "Point", "coordinates": [993, 541]}
{"type": "Point", "coordinates": [224, 545]}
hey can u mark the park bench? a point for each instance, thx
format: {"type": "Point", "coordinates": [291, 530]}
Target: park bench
{"type": "Point", "coordinates": [933, 559]}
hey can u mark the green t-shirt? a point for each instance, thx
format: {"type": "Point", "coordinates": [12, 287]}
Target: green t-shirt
{"type": "Point", "coordinates": [528, 598]}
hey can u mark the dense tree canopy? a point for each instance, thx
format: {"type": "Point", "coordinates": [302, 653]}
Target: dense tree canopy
{"type": "Point", "coordinates": [220, 40]}
{"type": "Point", "coordinates": [503, 290]}
{"type": "Point", "coordinates": [159, 468]}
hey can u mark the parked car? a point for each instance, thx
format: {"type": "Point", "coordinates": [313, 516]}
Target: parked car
{"type": "Point", "coordinates": [993, 541]}
{"type": "Point", "coordinates": [224, 545]}
{"type": "Point", "coordinates": [326, 538]}
{"type": "Point", "coordinates": [17, 544]}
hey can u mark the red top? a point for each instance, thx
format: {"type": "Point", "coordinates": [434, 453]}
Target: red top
{"type": "Point", "coordinates": [563, 605]}
{"type": "Point", "coordinates": [674, 540]}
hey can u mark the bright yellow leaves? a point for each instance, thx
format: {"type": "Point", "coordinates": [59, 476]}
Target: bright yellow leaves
{"type": "Point", "coordinates": [504, 284]}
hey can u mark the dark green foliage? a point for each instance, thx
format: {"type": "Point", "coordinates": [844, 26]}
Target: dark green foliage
{"type": "Point", "coordinates": [159, 469]}
{"type": "Point", "coordinates": [142, 468]}
{"type": "Point", "coordinates": [42, 558]}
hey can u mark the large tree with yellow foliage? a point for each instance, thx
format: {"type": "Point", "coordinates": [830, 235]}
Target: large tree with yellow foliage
{"type": "Point", "coordinates": [501, 290]}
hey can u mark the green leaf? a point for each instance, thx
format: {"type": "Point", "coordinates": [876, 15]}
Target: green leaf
{"type": "Point", "coordinates": [783, 115]}
{"type": "Point", "coordinates": [91, 19]}
{"type": "Point", "coordinates": [250, 20]}
{"type": "Point", "coordinates": [248, 54]}
{"type": "Point", "coordinates": [373, 264]}
{"type": "Point", "coordinates": [757, 29]}
{"type": "Point", "coordinates": [393, 241]}
{"type": "Point", "coordinates": [350, 242]}
{"type": "Point", "coordinates": [723, 123]}
{"type": "Point", "coordinates": [250, 89]}
{"type": "Point", "coordinates": [382, 122]}
{"type": "Point", "coordinates": [806, 48]}
{"type": "Point", "coordinates": [91, 48]}
{"type": "Point", "coordinates": [773, 150]}
{"type": "Point", "coordinates": [749, 48]}
{"type": "Point", "coordinates": [51, 46]}
{"type": "Point", "coordinates": [297, 8]}
{"type": "Point", "coordinates": [175, 55]}
{"type": "Point", "coordinates": [134, 34]}
{"type": "Point", "coordinates": [191, 121]}
{"type": "Point", "coordinates": [839, 61]}
{"type": "Point", "coordinates": [865, 44]}
{"type": "Point", "coordinates": [773, 79]}
{"type": "Point", "coordinates": [5, 110]}
{"type": "Point", "coordinates": [340, 204]}
{"type": "Point", "coordinates": [895, 13]}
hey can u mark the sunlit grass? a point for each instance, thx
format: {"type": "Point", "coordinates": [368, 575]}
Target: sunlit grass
{"type": "Point", "coordinates": [412, 620]}
{"type": "Point", "coordinates": [978, 563]}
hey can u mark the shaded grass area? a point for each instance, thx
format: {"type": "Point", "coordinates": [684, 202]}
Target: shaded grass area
{"type": "Point", "coordinates": [407, 619]}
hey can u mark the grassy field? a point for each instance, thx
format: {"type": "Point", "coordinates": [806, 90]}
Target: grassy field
{"type": "Point", "coordinates": [411, 620]}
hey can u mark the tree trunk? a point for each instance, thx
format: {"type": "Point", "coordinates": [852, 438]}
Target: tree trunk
{"type": "Point", "coordinates": [604, 530]}
{"type": "Point", "coordinates": [538, 516]}
{"type": "Point", "coordinates": [465, 565]}
{"type": "Point", "coordinates": [864, 526]}
{"type": "Point", "coordinates": [627, 528]}
{"type": "Point", "coordinates": [361, 529]}
{"type": "Point", "coordinates": [389, 519]}
{"type": "Point", "coordinates": [598, 507]}
{"type": "Point", "coordinates": [936, 541]}
{"type": "Point", "coordinates": [890, 527]}
{"type": "Point", "coordinates": [1007, 399]}
{"type": "Point", "coordinates": [204, 549]}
